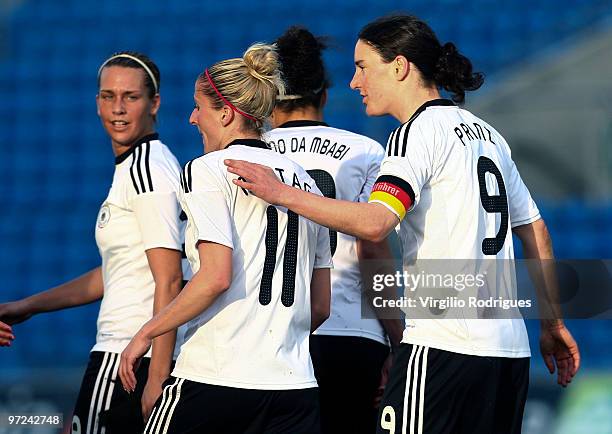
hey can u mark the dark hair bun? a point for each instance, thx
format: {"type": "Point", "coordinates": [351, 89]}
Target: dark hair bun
{"type": "Point", "coordinates": [454, 73]}
{"type": "Point", "coordinates": [300, 55]}
{"type": "Point", "coordinates": [449, 50]}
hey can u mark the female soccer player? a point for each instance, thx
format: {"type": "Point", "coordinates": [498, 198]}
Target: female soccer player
{"type": "Point", "coordinates": [344, 165]}
{"type": "Point", "coordinates": [449, 181]}
{"type": "Point", "coordinates": [139, 235]}
{"type": "Point", "coordinates": [254, 298]}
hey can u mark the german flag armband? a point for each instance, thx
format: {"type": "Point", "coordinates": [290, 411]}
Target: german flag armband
{"type": "Point", "coordinates": [393, 192]}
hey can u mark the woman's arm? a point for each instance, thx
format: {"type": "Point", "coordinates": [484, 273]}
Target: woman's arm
{"type": "Point", "coordinates": [85, 289]}
{"type": "Point", "coordinates": [557, 345]}
{"type": "Point", "coordinates": [165, 265]}
{"type": "Point", "coordinates": [368, 221]}
{"type": "Point", "coordinates": [376, 258]}
{"type": "Point", "coordinates": [320, 297]}
{"type": "Point", "coordinates": [212, 279]}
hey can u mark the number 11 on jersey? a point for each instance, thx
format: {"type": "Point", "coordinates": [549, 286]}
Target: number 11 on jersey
{"type": "Point", "coordinates": [289, 260]}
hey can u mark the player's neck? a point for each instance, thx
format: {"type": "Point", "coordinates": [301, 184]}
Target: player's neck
{"type": "Point", "coordinates": [120, 148]}
{"type": "Point", "coordinates": [302, 114]}
{"type": "Point", "coordinates": [410, 104]}
{"type": "Point", "coordinates": [237, 135]}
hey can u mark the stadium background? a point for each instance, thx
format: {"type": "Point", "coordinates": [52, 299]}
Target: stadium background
{"type": "Point", "coordinates": [548, 90]}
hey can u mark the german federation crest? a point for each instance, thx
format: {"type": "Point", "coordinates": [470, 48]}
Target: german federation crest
{"type": "Point", "coordinates": [103, 216]}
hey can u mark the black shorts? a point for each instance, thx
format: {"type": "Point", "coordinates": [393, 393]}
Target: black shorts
{"type": "Point", "coordinates": [348, 371]}
{"type": "Point", "coordinates": [102, 402]}
{"type": "Point", "coordinates": [433, 391]}
{"type": "Point", "coordinates": [190, 407]}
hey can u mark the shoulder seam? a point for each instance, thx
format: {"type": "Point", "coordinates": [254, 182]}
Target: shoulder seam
{"type": "Point", "coordinates": [370, 144]}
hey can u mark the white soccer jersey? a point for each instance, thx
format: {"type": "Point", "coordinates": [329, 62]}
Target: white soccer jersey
{"type": "Point", "coordinates": [345, 166]}
{"type": "Point", "coordinates": [255, 335]}
{"type": "Point", "coordinates": [467, 194]}
{"type": "Point", "coordinates": [141, 212]}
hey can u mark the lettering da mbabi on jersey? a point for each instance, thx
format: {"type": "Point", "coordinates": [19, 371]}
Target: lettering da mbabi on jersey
{"type": "Point", "coordinates": [316, 146]}
{"type": "Point", "coordinates": [287, 179]}
{"type": "Point", "coordinates": [478, 132]}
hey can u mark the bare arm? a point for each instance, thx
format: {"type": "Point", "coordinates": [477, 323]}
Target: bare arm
{"type": "Point", "coordinates": [556, 342]}
{"type": "Point", "coordinates": [537, 248]}
{"type": "Point", "coordinates": [368, 221]}
{"type": "Point", "coordinates": [376, 258]}
{"type": "Point", "coordinates": [212, 279]}
{"type": "Point", "coordinates": [320, 297]}
{"type": "Point", "coordinates": [85, 289]}
{"type": "Point", "coordinates": [165, 265]}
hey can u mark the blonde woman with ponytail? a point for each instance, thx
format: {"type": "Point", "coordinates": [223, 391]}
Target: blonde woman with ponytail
{"type": "Point", "coordinates": [261, 282]}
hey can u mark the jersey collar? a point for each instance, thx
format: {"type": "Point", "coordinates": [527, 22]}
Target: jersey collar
{"type": "Point", "coordinates": [431, 103]}
{"type": "Point", "coordinates": [253, 143]}
{"type": "Point", "coordinates": [303, 123]}
{"type": "Point", "coordinates": [121, 157]}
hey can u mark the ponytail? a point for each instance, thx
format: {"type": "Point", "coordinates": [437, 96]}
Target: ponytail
{"type": "Point", "coordinates": [453, 72]}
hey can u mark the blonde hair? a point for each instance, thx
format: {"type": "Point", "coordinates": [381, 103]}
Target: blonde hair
{"type": "Point", "coordinates": [250, 84]}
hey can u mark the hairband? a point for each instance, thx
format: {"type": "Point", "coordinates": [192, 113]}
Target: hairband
{"type": "Point", "coordinates": [288, 97]}
{"type": "Point", "coordinates": [135, 59]}
{"type": "Point", "coordinates": [293, 97]}
{"type": "Point", "coordinates": [233, 107]}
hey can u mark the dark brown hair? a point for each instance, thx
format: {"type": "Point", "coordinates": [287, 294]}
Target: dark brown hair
{"type": "Point", "coordinates": [412, 38]}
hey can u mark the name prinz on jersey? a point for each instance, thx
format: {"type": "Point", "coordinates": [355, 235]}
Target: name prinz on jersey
{"type": "Point", "coordinates": [316, 146]}
{"type": "Point", "coordinates": [289, 180]}
{"type": "Point", "coordinates": [475, 133]}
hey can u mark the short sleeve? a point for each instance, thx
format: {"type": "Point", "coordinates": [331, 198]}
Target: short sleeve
{"type": "Point", "coordinates": [523, 209]}
{"type": "Point", "coordinates": [206, 205]}
{"type": "Point", "coordinates": [158, 220]}
{"type": "Point", "coordinates": [375, 157]}
{"type": "Point", "coordinates": [153, 198]}
{"type": "Point", "coordinates": [323, 257]}
{"type": "Point", "coordinates": [401, 178]}
{"type": "Point", "coordinates": [153, 175]}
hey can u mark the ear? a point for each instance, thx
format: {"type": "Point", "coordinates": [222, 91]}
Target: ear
{"type": "Point", "coordinates": [272, 116]}
{"type": "Point", "coordinates": [401, 67]}
{"type": "Point", "coordinates": [155, 102]}
{"type": "Point", "coordinates": [323, 99]}
{"type": "Point", "coordinates": [227, 115]}
{"type": "Point", "coordinates": [98, 104]}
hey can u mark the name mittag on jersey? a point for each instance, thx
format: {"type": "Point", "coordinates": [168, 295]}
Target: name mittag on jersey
{"type": "Point", "coordinates": [256, 334]}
